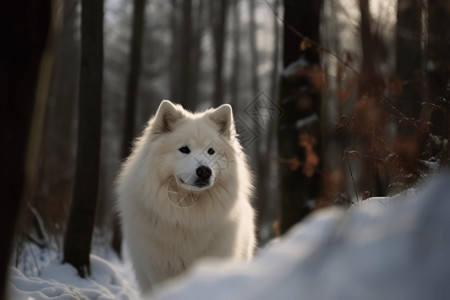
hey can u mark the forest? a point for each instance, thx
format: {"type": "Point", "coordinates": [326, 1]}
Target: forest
{"type": "Point", "coordinates": [334, 102]}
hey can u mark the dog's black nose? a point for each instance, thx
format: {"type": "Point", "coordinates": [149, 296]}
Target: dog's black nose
{"type": "Point", "coordinates": [203, 172]}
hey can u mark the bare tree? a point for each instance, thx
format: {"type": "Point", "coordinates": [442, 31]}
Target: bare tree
{"type": "Point", "coordinates": [131, 99]}
{"type": "Point", "coordinates": [370, 92]}
{"type": "Point", "coordinates": [438, 61]}
{"type": "Point", "coordinates": [219, 19]}
{"type": "Point", "coordinates": [276, 53]}
{"type": "Point", "coordinates": [299, 129]}
{"type": "Point", "coordinates": [184, 75]}
{"type": "Point", "coordinates": [438, 44]}
{"type": "Point", "coordinates": [78, 237]}
{"type": "Point", "coordinates": [409, 56]}
{"type": "Point", "coordinates": [20, 59]}
{"type": "Point", "coordinates": [234, 81]}
{"type": "Point", "coordinates": [57, 151]}
{"type": "Point", "coordinates": [254, 57]}
{"type": "Point", "coordinates": [188, 25]}
{"type": "Point", "coordinates": [198, 30]}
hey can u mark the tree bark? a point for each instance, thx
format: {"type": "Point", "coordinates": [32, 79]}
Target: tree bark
{"type": "Point", "coordinates": [409, 56]}
{"type": "Point", "coordinates": [196, 48]}
{"type": "Point", "coordinates": [438, 60]}
{"type": "Point", "coordinates": [219, 26]}
{"type": "Point", "coordinates": [300, 88]}
{"type": "Point", "coordinates": [370, 91]}
{"type": "Point", "coordinates": [135, 59]}
{"type": "Point", "coordinates": [20, 57]}
{"type": "Point", "coordinates": [253, 48]}
{"type": "Point", "coordinates": [175, 52]}
{"type": "Point", "coordinates": [184, 76]}
{"type": "Point", "coordinates": [78, 237]}
{"type": "Point", "coordinates": [57, 151]}
{"type": "Point", "coordinates": [234, 88]}
{"type": "Point", "coordinates": [276, 54]}
{"type": "Point", "coordinates": [438, 45]}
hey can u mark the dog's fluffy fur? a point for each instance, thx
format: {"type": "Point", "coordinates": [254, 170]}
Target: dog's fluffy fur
{"type": "Point", "coordinates": [173, 213]}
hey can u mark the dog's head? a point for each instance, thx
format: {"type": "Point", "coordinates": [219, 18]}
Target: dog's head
{"type": "Point", "coordinates": [194, 149]}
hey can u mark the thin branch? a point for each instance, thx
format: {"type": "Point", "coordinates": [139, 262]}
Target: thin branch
{"type": "Point", "coordinates": [400, 114]}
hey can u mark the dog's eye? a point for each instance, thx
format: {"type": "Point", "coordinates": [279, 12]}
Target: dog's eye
{"type": "Point", "coordinates": [185, 150]}
{"type": "Point", "coordinates": [211, 151]}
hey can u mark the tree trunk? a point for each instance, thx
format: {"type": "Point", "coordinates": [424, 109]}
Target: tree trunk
{"type": "Point", "coordinates": [175, 52]}
{"type": "Point", "coordinates": [276, 54]}
{"type": "Point", "coordinates": [131, 99]}
{"type": "Point", "coordinates": [219, 26]}
{"type": "Point", "coordinates": [78, 237]}
{"type": "Point", "coordinates": [438, 58]}
{"type": "Point", "coordinates": [370, 92]}
{"type": "Point", "coordinates": [253, 48]}
{"type": "Point", "coordinates": [367, 45]}
{"type": "Point", "coordinates": [258, 162]}
{"type": "Point", "coordinates": [196, 48]}
{"type": "Point", "coordinates": [438, 45]}
{"type": "Point", "coordinates": [19, 68]}
{"type": "Point", "coordinates": [409, 57]}
{"type": "Point", "coordinates": [58, 155]}
{"type": "Point", "coordinates": [299, 127]}
{"type": "Point", "coordinates": [234, 88]}
{"type": "Point", "coordinates": [135, 59]}
{"type": "Point", "coordinates": [184, 76]}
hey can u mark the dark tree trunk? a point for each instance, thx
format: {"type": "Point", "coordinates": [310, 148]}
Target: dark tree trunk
{"type": "Point", "coordinates": [438, 56]}
{"type": "Point", "coordinates": [219, 17]}
{"type": "Point", "coordinates": [276, 54]}
{"type": "Point", "coordinates": [367, 45]}
{"type": "Point", "coordinates": [270, 168]}
{"type": "Point", "coordinates": [234, 82]}
{"type": "Point", "coordinates": [409, 57]}
{"type": "Point", "coordinates": [253, 48]}
{"type": "Point", "coordinates": [175, 52]}
{"type": "Point", "coordinates": [197, 52]}
{"type": "Point", "coordinates": [438, 45]}
{"type": "Point", "coordinates": [135, 59]}
{"type": "Point", "coordinates": [370, 92]}
{"type": "Point", "coordinates": [78, 237]}
{"type": "Point", "coordinates": [299, 140]}
{"type": "Point", "coordinates": [58, 155]}
{"type": "Point", "coordinates": [20, 56]}
{"type": "Point", "coordinates": [370, 82]}
{"type": "Point", "coordinates": [184, 75]}
{"type": "Point", "coordinates": [131, 99]}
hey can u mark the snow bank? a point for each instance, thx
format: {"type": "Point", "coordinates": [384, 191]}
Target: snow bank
{"type": "Point", "coordinates": [61, 282]}
{"type": "Point", "coordinates": [383, 248]}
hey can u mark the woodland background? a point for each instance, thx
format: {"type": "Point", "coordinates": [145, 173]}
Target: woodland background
{"type": "Point", "coordinates": [334, 101]}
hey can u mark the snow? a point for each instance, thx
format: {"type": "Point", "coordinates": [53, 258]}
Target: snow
{"type": "Point", "coordinates": [61, 281]}
{"type": "Point", "coordinates": [381, 248]}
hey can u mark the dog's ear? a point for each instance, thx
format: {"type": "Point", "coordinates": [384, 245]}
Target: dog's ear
{"type": "Point", "coordinates": [166, 117]}
{"type": "Point", "coordinates": [223, 117]}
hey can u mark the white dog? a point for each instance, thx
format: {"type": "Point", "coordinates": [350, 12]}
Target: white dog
{"type": "Point", "coordinates": [184, 192]}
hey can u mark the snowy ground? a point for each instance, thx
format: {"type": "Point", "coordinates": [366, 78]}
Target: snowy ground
{"type": "Point", "coordinates": [110, 280]}
{"type": "Point", "coordinates": [383, 248]}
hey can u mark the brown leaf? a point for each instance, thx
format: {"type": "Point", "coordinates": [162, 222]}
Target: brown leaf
{"type": "Point", "coordinates": [366, 195]}
{"type": "Point", "coordinates": [395, 86]}
{"type": "Point", "coordinates": [305, 44]}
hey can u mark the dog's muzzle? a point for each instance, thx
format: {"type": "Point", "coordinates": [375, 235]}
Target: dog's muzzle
{"type": "Point", "coordinates": [200, 180]}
